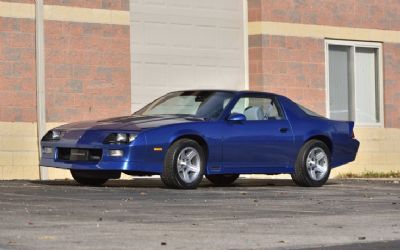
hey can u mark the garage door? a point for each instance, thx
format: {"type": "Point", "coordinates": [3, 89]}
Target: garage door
{"type": "Point", "coordinates": [185, 44]}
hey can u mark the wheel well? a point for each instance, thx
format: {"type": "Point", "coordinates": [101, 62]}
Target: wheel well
{"type": "Point", "coordinates": [200, 140]}
{"type": "Point", "coordinates": [324, 139]}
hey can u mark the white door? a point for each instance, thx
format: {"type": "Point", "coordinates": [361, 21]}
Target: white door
{"type": "Point", "coordinates": [185, 44]}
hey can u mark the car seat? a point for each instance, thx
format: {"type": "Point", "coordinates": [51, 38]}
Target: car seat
{"type": "Point", "coordinates": [271, 112]}
{"type": "Point", "coordinates": [253, 113]}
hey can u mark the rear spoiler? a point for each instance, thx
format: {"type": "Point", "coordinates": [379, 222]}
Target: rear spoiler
{"type": "Point", "coordinates": [351, 129]}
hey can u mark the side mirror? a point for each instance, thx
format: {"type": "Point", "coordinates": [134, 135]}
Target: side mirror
{"type": "Point", "coordinates": [236, 117]}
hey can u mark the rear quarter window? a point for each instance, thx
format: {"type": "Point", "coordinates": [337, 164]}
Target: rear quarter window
{"type": "Point", "coordinates": [309, 112]}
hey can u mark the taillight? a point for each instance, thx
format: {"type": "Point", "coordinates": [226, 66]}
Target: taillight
{"type": "Point", "coordinates": [352, 134]}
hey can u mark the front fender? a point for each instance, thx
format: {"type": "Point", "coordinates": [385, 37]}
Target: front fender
{"type": "Point", "coordinates": [185, 132]}
{"type": "Point", "coordinates": [160, 139]}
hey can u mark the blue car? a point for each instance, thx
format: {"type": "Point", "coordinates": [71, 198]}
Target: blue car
{"type": "Point", "coordinates": [221, 134]}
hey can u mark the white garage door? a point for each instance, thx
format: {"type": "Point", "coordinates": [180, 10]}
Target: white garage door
{"type": "Point", "coordinates": [185, 44]}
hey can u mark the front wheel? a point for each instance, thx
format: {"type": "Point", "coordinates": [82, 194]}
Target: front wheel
{"type": "Point", "coordinates": [87, 178]}
{"type": "Point", "coordinates": [222, 179]}
{"type": "Point", "coordinates": [312, 165]}
{"type": "Point", "coordinates": [184, 165]}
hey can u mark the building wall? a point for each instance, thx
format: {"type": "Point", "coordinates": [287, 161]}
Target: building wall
{"type": "Point", "coordinates": [298, 21]}
{"type": "Point", "coordinates": [291, 66]}
{"type": "Point", "coordinates": [92, 4]}
{"type": "Point", "coordinates": [369, 14]}
{"type": "Point", "coordinates": [18, 143]}
{"type": "Point", "coordinates": [287, 56]}
{"type": "Point", "coordinates": [87, 73]}
{"type": "Point", "coordinates": [391, 64]}
{"type": "Point", "coordinates": [17, 70]}
{"type": "Point", "coordinates": [379, 151]}
{"type": "Point", "coordinates": [87, 70]}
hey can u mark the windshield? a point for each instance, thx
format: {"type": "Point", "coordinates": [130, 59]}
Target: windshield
{"type": "Point", "coordinates": [201, 104]}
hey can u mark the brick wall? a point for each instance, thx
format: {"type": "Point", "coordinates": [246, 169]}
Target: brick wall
{"type": "Point", "coordinates": [289, 66]}
{"type": "Point", "coordinates": [17, 70]}
{"type": "Point", "coordinates": [87, 71]}
{"type": "Point", "coordinates": [376, 14]}
{"type": "Point", "coordinates": [391, 66]}
{"type": "Point", "coordinates": [93, 4]}
{"type": "Point", "coordinates": [87, 67]}
{"type": "Point", "coordinates": [254, 10]}
{"type": "Point", "coordinates": [19, 1]}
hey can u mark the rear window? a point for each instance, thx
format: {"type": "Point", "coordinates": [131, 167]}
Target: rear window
{"type": "Point", "coordinates": [309, 112]}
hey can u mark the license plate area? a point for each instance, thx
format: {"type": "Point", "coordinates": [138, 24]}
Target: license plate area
{"type": "Point", "coordinates": [79, 154]}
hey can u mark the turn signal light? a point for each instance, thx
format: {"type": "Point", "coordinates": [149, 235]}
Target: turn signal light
{"type": "Point", "coordinates": [115, 153]}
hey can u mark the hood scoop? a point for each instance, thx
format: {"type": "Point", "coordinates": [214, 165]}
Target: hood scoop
{"type": "Point", "coordinates": [131, 119]}
{"type": "Point", "coordinates": [73, 134]}
{"type": "Point", "coordinates": [130, 123]}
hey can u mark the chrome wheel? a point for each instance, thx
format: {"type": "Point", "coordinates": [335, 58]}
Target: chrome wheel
{"type": "Point", "coordinates": [188, 164]}
{"type": "Point", "coordinates": [317, 164]}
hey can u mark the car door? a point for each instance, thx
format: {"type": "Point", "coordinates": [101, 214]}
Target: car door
{"type": "Point", "coordinates": [263, 140]}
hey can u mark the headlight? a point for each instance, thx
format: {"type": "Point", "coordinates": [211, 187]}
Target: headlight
{"type": "Point", "coordinates": [54, 135]}
{"type": "Point", "coordinates": [119, 138]}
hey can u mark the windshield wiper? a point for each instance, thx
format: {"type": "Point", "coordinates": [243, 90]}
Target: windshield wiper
{"type": "Point", "coordinates": [187, 116]}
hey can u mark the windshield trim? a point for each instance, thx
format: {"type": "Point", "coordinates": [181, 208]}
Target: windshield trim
{"type": "Point", "coordinates": [148, 106]}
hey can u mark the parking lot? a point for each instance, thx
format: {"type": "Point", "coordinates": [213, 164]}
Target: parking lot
{"type": "Point", "coordinates": [252, 214]}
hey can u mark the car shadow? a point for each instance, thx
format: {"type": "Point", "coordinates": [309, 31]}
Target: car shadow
{"type": "Point", "coordinates": [157, 183]}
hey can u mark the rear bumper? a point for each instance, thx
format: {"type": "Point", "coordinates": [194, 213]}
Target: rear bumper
{"type": "Point", "coordinates": [348, 154]}
{"type": "Point", "coordinates": [356, 146]}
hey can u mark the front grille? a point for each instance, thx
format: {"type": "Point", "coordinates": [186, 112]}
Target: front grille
{"type": "Point", "coordinates": [79, 154]}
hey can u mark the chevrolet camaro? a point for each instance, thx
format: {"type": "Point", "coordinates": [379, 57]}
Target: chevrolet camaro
{"type": "Point", "coordinates": [185, 135]}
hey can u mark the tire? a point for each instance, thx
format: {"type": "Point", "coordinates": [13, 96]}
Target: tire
{"type": "Point", "coordinates": [309, 170]}
{"type": "Point", "coordinates": [222, 179]}
{"type": "Point", "coordinates": [86, 178]}
{"type": "Point", "coordinates": [189, 171]}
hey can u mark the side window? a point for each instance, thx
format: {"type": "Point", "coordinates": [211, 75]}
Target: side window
{"type": "Point", "coordinates": [257, 108]}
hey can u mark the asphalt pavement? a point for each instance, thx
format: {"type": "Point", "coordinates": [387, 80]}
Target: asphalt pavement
{"type": "Point", "coordinates": [252, 214]}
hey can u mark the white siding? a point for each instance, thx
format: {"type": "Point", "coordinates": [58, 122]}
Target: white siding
{"type": "Point", "coordinates": [185, 44]}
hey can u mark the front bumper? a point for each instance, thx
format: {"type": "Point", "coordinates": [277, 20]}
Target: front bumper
{"type": "Point", "coordinates": [101, 165]}
{"type": "Point", "coordinates": [127, 162]}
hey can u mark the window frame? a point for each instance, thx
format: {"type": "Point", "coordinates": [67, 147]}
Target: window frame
{"type": "Point", "coordinates": [354, 45]}
{"type": "Point", "coordinates": [258, 95]}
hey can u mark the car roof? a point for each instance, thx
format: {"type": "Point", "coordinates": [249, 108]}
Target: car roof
{"type": "Point", "coordinates": [231, 91]}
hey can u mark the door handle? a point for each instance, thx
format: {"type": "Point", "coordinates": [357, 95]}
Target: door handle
{"type": "Point", "coordinates": [283, 130]}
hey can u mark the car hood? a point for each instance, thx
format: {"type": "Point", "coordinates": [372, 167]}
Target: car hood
{"type": "Point", "coordinates": [131, 123]}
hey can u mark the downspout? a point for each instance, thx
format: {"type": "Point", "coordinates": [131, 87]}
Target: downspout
{"type": "Point", "coordinates": [246, 44]}
{"type": "Point", "coordinates": [40, 82]}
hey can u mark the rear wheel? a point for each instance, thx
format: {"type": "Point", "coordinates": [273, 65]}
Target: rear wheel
{"type": "Point", "coordinates": [312, 165]}
{"type": "Point", "coordinates": [88, 178]}
{"type": "Point", "coordinates": [222, 179]}
{"type": "Point", "coordinates": [184, 165]}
